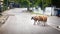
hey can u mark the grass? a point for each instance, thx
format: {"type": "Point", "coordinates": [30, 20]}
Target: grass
{"type": "Point", "coordinates": [36, 13]}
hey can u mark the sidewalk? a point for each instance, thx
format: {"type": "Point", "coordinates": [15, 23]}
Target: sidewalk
{"type": "Point", "coordinates": [54, 21]}
{"type": "Point", "coordinates": [3, 18]}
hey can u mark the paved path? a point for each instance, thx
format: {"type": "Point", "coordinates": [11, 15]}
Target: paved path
{"type": "Point", "coordinates": [22, 24]}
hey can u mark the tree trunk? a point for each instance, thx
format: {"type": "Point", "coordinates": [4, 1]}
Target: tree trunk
{"type": "Point", "coordinates": [27, 8]}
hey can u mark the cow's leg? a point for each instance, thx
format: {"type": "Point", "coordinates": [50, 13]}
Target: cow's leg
{"type": "Point", "coordinates": [35, 22]}
{"type": "Point", "coordinates": [38, 22]}
{"type": "Point", "coordinates": [44, 24]}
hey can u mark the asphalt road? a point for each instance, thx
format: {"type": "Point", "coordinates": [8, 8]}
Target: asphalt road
{"type": "Point", "coordinates": [21, 23]}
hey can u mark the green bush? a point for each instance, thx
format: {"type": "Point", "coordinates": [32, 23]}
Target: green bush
{"type": "Point", "coordinates": [4, 8]}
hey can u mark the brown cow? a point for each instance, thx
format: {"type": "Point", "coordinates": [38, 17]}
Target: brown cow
{"type": "Point", "coordinates": [39, 18]}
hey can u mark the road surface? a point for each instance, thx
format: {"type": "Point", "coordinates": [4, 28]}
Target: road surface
{"type": "Point", "coordinates": [21, 23]}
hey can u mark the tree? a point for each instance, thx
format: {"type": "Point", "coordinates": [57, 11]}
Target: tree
{"type": "Point", "coordinates": [5, 2]}
{"type": "Point", "coordinates": [32, 3]}
{"type": "Point", "coordinates": [46, 3]}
